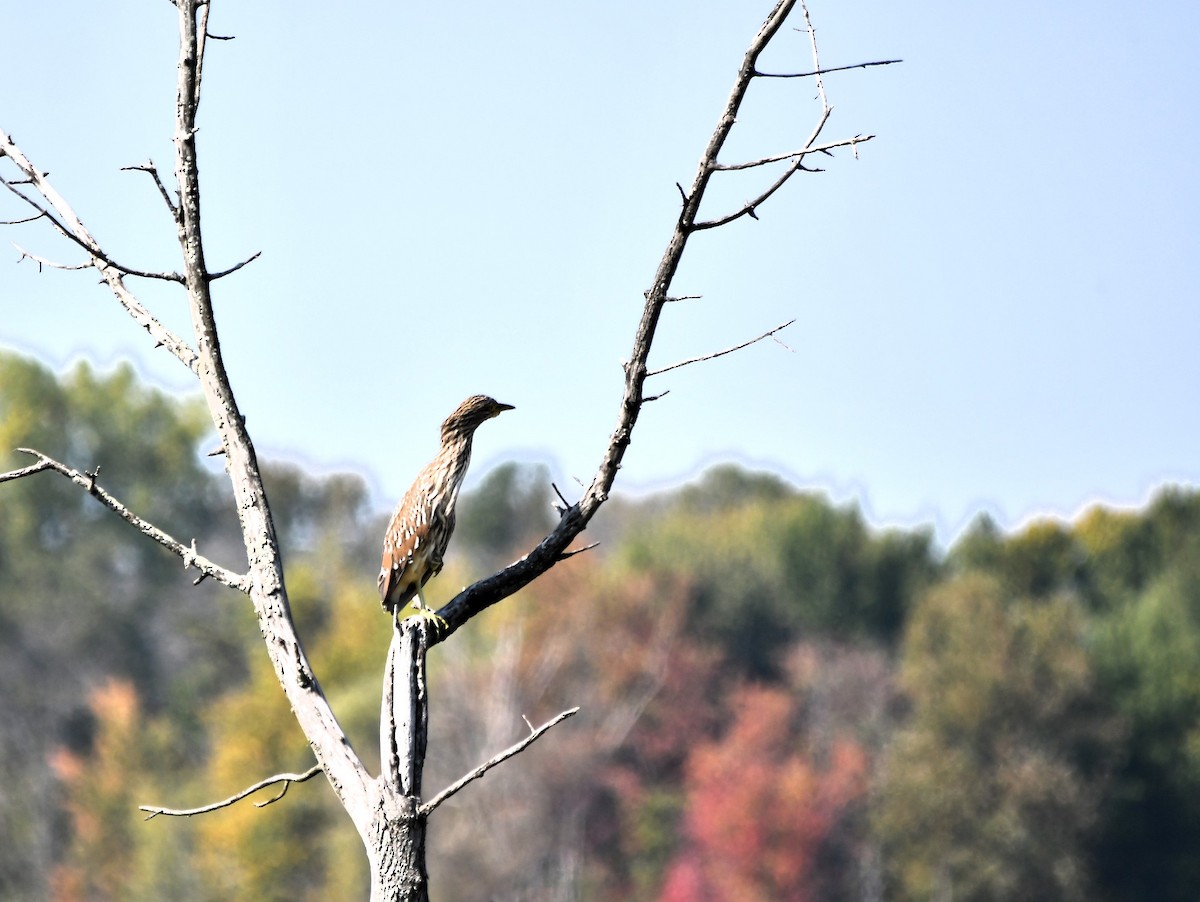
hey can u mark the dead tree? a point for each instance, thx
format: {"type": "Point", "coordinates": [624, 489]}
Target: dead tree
{"type": "Point", "coordinates": [389, 810]}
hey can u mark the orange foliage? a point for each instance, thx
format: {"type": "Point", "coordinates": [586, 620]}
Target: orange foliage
{"type": "Point", "coordinates": [99, 799]}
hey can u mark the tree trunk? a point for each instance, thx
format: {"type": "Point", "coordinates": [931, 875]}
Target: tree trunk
{"type": "Point", "coordinates": [396, 836]}
{"type": "Point", "coordinates": [397, 851]}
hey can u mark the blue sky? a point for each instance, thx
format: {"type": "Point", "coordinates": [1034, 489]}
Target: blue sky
{"type": "Point", "coordinates": [996, 305]}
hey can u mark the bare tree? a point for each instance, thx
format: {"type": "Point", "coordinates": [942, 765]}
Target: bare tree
{"type": "Point", "coordinates": [389, 810]}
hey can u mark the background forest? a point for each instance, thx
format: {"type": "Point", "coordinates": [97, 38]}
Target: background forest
{"type": "Point", "coordinates": [779, 702]}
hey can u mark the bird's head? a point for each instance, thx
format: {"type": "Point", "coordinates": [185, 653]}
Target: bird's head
{"type": "Point", "coordinates": [470, 413]}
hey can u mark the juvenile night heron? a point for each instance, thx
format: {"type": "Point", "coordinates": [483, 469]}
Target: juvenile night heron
{"type": "Point", "coordinates": [420, 529]}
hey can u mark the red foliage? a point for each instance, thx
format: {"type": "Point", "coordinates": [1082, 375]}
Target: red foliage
{"type": "Point", "coordinates": [759, 808]}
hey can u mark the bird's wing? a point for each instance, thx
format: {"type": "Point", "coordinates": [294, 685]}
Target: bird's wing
{"type": "Point", "coordinates": [406, 533]}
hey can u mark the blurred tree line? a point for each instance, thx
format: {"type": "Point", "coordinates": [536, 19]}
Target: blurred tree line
{"type": "Point", "coordinates": [779, 701]}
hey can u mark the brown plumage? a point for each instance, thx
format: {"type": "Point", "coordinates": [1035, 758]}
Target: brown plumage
{"type": "Point", "coordinates": [420, 529]}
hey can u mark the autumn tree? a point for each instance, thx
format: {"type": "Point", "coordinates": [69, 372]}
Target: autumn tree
{"type": "Point", "coordinates": [389, 810]}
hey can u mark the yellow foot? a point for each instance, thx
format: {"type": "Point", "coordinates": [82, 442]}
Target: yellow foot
{"type": "Point", "coordinates": [430, 614]}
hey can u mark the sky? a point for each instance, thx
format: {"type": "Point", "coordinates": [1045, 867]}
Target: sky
{"type": "Point", "coordinates": [997, 303]}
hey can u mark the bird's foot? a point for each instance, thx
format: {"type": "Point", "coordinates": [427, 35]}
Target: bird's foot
{"type": "Point", "coordinates": [430, 614]}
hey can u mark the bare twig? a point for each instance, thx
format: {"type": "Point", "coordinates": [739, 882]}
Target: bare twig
{"type": "Point", "coordinates": [825, 71]}
{"type": "Point", "coordinates": [21, 221]}
{"type": "Point", "coordinates": [42, 261]}
{"type": "Point", "coordinates": [226, 272]}
{"type": "Point", "coordinates": [750, 207]}
{"type": "Point", "coordinates": [780, 157]}
{"type": "Point", "coordinates": [564, 503]}
{"type": "Point", "coordinates": [152, 171]}
{"type": "Point", "coordinates": [566, 554]}
{"type": "Point", "coordinates": [42, 464]}
{"type": "Point", "coordinates": [714, 355]}
{"type": "Point", "coordinates": [812, 40]}
{"type": "Point", "coordinates": [427, 808]}
{"type": "Point", "coordinates": [286, 779]}
{"type": "Point", "coordinates": [87, 481]}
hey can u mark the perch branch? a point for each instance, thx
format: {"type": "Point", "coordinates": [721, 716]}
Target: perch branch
{"type": "Point", "coordinates": [286, 779]}
{"type": "Point", "coordinates": [87, 481]}
{"type": "Point", "coordinates": [716, 354]}
{"type": "Point", "coordinates": [426, 809]}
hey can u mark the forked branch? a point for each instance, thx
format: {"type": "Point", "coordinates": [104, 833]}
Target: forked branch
{"type": "Point", "coordinates": [574, 518]}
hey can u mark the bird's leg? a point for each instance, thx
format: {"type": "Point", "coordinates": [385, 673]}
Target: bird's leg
{"type": "Point", "coordinates": [427, 612]}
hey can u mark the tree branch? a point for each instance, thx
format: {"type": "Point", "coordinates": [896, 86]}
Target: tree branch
{"type": "Point", "coordinates": [94, 251]}
{"type": "Point", "coordinates": [163, 337]}
{"type": "Point", "coordinates": [427, 808]}
{"type": "Point", "coordinates": [354, 787]}
{"type": "Point", "coordinates": [575, 518]}
{"type": "Point", "coordinates": [716, 354]}
{"type": "Point", "coordinates": [749, 209]}
{"type": "Point", "coordinates": [87, 481]}
{"type": "Point", "coordinates": [286, 779]}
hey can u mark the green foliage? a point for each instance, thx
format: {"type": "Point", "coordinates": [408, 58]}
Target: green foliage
{"type": "Point", "coordinates": [766, 572]}
{"type": "Point", "coordinates": [728, 486]}
{"type": "Point", "coordinates": [992, 788]}
{"type": "Point", "coordinates": [1148, 655]}
{"type": "Point", "coordinates": [320, 514]}
{"type": "Point", "coordinates": [1043, 559]}
{"type": "Point", "coordinates": [510, 506]}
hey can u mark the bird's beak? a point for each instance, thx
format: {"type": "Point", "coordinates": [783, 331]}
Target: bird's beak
{"type": "Point", "coordinates": [500, 408]}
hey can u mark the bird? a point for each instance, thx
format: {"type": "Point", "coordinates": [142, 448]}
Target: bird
{"type": "Point", "coordinates": [419, 531]}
